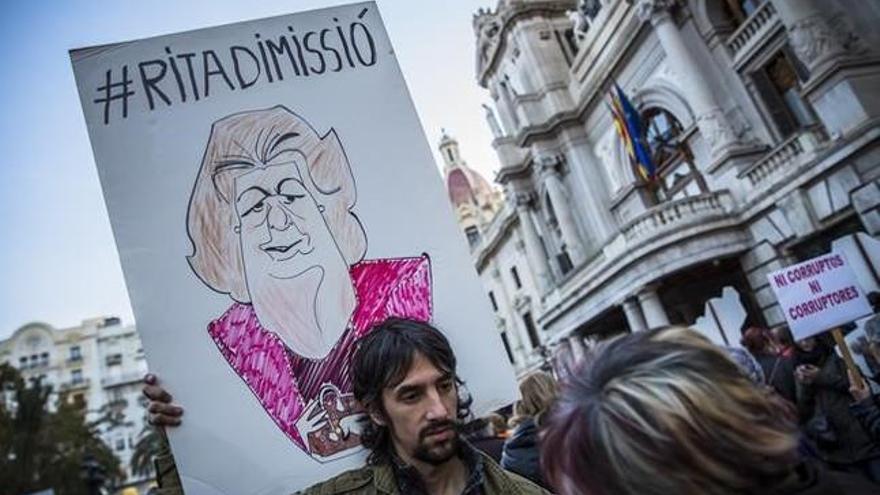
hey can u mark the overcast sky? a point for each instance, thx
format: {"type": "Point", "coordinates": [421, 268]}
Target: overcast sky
{"type": "Point", "coordinates": [57, 256]}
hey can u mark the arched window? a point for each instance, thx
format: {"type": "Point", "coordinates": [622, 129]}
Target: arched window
{"type": "Point", "coordinates": [677, 175]}
{"type": "Point", "coordinates": [740, 10]}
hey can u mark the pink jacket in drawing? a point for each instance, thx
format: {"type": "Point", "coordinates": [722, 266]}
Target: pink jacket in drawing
{"type": "Point", "coordinates": [286, 383]}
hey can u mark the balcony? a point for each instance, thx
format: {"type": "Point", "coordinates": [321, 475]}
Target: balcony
{"type": "Point", "coordinates": [75, 385]}
{"type": "Point", "coordinates": [753, 32]}
{"type": "Point", "coordinates": [676, 215]}
{"type": "Point", "coordinates": [784, 158]}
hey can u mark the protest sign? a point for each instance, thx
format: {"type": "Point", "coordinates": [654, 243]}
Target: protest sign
{"type": "Point", "coordinates": [818, 294]}
{"type": "Point", "coordinates": [272, 197]}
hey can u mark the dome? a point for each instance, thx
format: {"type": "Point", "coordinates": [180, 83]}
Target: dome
{"type": "Point", "coordinates": [466, 186]}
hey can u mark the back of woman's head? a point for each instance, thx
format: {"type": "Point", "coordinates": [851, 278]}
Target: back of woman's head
{"type": "Point", "coordinates": [664, 412]}
{"type": "Point", "coordinates": [539, 391]}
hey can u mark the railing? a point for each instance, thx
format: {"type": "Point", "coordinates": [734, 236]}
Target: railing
{"type": "Point", "coordinates": [677, 214]}
{"type": "Point", "coordinates": [73, 385]}
{"type": "Point", "coordinates": [753, 29]}
{"type": "Point", "coordinates": [785, 156]}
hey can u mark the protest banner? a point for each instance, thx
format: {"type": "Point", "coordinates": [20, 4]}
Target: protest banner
{"type": "Point", "coordinates": [273, 196]}
{"type": "Point", "coordinates": [818, 294]}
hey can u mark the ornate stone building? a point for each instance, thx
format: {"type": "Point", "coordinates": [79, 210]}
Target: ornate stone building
{"type": "Point", "coordinates": [763, 118]}
{"type": "Point", "coordinates": [99, 366]}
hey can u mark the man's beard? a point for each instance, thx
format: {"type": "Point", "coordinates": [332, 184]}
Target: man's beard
{"type": "Point", "coordinates": [437, 453]}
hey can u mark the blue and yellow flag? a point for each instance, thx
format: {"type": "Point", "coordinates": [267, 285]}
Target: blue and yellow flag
{"type": "Point", "coordinates": [629, 127]}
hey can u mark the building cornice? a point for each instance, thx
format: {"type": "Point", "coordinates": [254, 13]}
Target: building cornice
{"type": "Point", "coordinates": [508, 16]}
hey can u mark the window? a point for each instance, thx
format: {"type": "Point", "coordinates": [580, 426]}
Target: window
{"type": "Point", "coordinates": [35, 361]}
{"type": "Point", "coordinates": [778, 86]}
{"type": "Point", "coordinates": [79, 400]}
{"type": "Point", "coordinates": [76, 376]}
{"type": "Point", "coordinates": [564, 262]}
{"type": "Point", "coordinates": [120, 444]}
{"type": "Point", "coordinates": [492, 300]}
{"type": "Point", "coordinates": [740, 10]}
{"type": "Point", "coordinates": [22, 362]}
{"type": "Point", "coordinates": [678, 175]}
{"type": "Point", "coordinates": [75, 353]}
{"type": "Point", "coordinates": [507, 347]}
{"type": "Point", "coordinates": [44, 359]}
{"type": "Point", "coordinates": [449, 154]}
{"type": "Point", "coordinates": [114, 359]}
{"type": "Point", "coordinates": [515, 275]}
{"type": "Point", "coordinates": [534, 339]}
{"type": "Point", "coordinates": [473, 235]}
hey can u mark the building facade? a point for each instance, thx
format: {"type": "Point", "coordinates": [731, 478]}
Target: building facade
{"type": "Point", "coordinates": [98, 365]}
{"type": "Point", "coordinates": [762, 118]}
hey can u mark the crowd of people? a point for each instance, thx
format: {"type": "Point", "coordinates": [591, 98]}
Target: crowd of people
{"type": "Point", "coordinates": [656, 412]}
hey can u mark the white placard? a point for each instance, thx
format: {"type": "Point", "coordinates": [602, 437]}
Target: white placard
{"type": "Point", "coordinates": [818, 295]}
{"type": "Point", "coordinates": [273, 196]}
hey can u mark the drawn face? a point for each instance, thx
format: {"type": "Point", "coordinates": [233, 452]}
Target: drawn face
{"type": "Point", "coordinates": [281, 225]}
{"type": "Point", "coordinates": [421, 412]}
{"type": "Point", "coordinates": [293, 267]}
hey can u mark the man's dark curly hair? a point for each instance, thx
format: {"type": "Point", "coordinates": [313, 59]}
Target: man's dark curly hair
{"type": "Point", "coordinates": [382, 361]}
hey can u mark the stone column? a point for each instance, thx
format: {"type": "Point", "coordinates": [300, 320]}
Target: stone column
{"type": "Point", "coordinates": [655, 315]}
{"type": "Point", "coordinates": [711, 120]}
{"type": "Point", "coordinates": [634, 317]}
{"type": "Point", "coordinates": [534, 252]}
{"type": "Point", "coordinates": [562, 207]}
{"type": "Point", "coordinates": [816, 35]}
{"type": "Point", "coordinates": [508, 312]}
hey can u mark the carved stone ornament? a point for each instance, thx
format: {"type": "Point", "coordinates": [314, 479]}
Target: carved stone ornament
{"type": "Point", "coordinates": [715, 129]}
{"type": "Point", "coordinates": [653, 10]}
{"type": "Point", "coordinates": [524, 199]}
{"type": "Point", "coordinates": [818, 37]}
{"type": "Point", "coordinates": [547, 163]}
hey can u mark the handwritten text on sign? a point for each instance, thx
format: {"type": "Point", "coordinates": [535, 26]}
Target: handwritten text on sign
{"type": "Point", "coordinates": [818, 294]}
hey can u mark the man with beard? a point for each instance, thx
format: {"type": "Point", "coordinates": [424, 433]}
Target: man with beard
{"type": "Point", "coordinates": [405, 379]}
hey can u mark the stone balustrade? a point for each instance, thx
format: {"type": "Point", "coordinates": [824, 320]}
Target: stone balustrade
{"type": "Point", "coordinates": [753, 30]}
{"type": "Point", "coordinates": [123, 379]}
{"type": "Point", "coordinates": [789, 154]}
{"type": "Point", "coordinates": [677, 214]}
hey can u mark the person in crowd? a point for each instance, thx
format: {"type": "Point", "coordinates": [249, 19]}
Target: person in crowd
{"type": "Point", "coordinates": [784, 341]}
{"type": "Point", "coordinates": [667, 412]}
{"type": "Point", "coordinates": [498, 424]}
{"type": "Point", "coordinates": [866, 407]}
{"type": "Point", "coordinates": [778, 369]}
{"type": "Point", "coordinates": [521, 452]}
{"type": "Point", "coordinates": [823, 404]}
{"type": "Point", "coordinates": [481, 434]}
{"type": "Point", "coordinates": [404, 377]}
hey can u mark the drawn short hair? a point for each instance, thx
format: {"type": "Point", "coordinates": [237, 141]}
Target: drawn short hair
{"type": "Point", "coordinates": [665, 401]}
{"type": "Point", "coordinates": [241, 142]}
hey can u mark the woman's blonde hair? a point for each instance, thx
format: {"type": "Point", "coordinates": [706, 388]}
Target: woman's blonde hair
{"type": "Point", "coordinates": [248, 140]}
{"type": "Point", "coordinates": [539, 391]}
{"type": "Point", "coordinates": [665, 412]}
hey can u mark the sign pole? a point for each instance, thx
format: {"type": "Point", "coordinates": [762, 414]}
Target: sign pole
{"type": "Point", "coordinates": [847, 356]}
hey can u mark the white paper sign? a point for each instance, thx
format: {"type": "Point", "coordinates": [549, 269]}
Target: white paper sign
{"type": "Point", "coordinates": [818, 295]}
{"type": "Point", "coordinates": [273, 197]}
